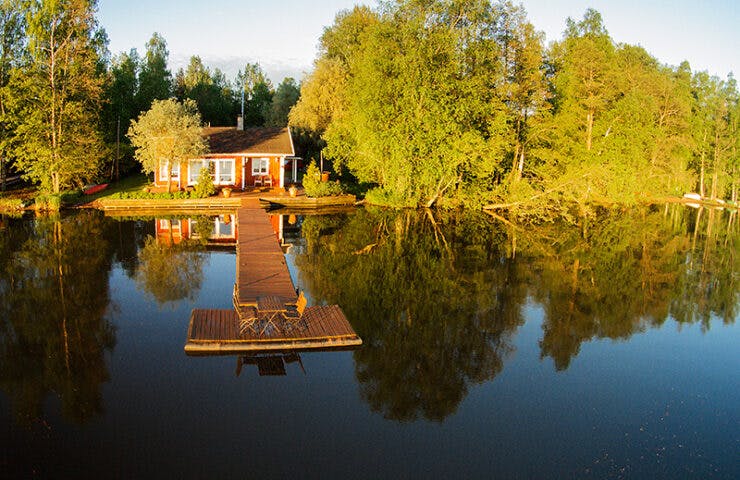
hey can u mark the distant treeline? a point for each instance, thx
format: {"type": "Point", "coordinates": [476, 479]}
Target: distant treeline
{"type": "Point", "coordinates": [66, 103]}
{"type": "Point", "coordinates": [449, 102]}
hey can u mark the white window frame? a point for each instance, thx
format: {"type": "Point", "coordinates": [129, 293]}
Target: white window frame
{"type": "Point", "coordinates": [169, 224]}
{"type": "Point", "coordinates": [222, 229]}
{"type": "Point", "coordinates": [163, 171]}
{"type": "Point", "coordinates": [217, 171]}
{"type": "Point", "coordinates": [219, 228]}
{"type": "Point", "coordinates": [193, 174]}
{"type": "Point", "coordinates": [260, 166]}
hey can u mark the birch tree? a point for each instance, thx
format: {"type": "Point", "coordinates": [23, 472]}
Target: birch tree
{"type": "Point", "coordinates": [169, 133]}
{"type": "Point", "coordinates": [57, 96]}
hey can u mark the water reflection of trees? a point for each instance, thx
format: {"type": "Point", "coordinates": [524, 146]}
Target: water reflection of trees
{"type": "Point", "coordinates": [53, 298]}
{"type": "Point", "coordinates": [633, 271]}
{"type": "Point", "coordinates": [437, 299]}
{"type": "Point", "coordinates": [435, 307]}
{"type": "Point", "coordinates": [170, 272]}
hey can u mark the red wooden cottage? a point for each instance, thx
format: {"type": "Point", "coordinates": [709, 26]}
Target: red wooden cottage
{"type": "Point", "coordinates": [255, 157]}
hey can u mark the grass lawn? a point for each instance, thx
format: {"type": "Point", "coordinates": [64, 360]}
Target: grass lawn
{"type": "Point", "coordinates": [133, 183]}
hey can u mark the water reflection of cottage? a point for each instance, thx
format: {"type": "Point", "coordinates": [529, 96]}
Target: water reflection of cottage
{"type": "Point", "coordinates": [217, 229]}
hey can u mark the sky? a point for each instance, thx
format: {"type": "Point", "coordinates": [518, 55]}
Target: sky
{"type": "Point", "coordinates": [282, 35]}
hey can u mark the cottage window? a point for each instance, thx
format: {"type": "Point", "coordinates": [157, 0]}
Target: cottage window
{"type": "Point", "coordinates": [260, 166]}
{"type": "Point", "coordinates": [194, 170]}
{"type": "Point", "coordinates": [224, 172]}
{"type": "Point", "coordinates": [163, 171]}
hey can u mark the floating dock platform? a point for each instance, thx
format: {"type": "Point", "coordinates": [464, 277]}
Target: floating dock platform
{"type": "Point", "coordinates": [217, 331]}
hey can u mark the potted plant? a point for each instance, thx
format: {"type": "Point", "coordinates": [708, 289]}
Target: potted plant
{"type": "Point", "coordinates": [292, 190]}
{"type": "Point", "coordinates": [226, 191]}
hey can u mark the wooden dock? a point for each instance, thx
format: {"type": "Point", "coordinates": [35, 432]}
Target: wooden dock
{"type": "Point", "coordinates": [304, 202]}
{"type": "Point", "coordinates": [162, 204]}
{"type": "Point", "coordinates": [217, 331]}
{"type": "Point", "coordinates": [261, 272]}
{"type": "Point", "coordinates": [260, 269]}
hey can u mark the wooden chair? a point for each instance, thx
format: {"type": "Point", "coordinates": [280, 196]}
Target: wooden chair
{"type": "Point", "coordinates": [267, 180]}
{"type": "Point", "coordinates": [258, 180]}
{"type": "Point", "coordinates": [247, 315]}
{"type": "Point", "coordinates": [294, 313]}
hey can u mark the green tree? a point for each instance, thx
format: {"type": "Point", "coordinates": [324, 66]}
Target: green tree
{"type": "Point", "coordinates": [424, 120]}
{"type": "Point", "coordinates": [204, 188]}
{"type": "Point", "coordinates": [323, 93]}
{"type": "Point", "coordinates": [121, 107]}
{"type": "Point", "coordinates": [257, 94]}
{"type": "Point", "coordinates": [12, 43]}
{"type": "Point", "coordinates": [170, 132]}
{"type": "Point", "coordinates": [155, 79]}
{"type": "Point", "coordinates": [584, 82]}
{"type": "Point", "coordinates": [322, 96]}
{"type": "Point", "coordinates": [525, 87]}
{"type": "Point", "coordinates": [210, 90]}
{"type": "Point", "coordinates": [715, 132]}
{"type": "Point", "coordinates": [285, 97]}
{"type": "Point", "coordinates": [57, 96]}
{"type": "Point", "coordinates": [259, 104]}
{"type": "Point", "coordinates": [196, 73]}
{"type": "Point", "coordinates": [618, 130]}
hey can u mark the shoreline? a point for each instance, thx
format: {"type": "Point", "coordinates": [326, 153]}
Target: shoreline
{"type": "Point", "coordinates": [280, 201]}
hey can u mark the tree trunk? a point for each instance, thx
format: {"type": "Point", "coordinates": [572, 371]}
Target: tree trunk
{"type": "Point", "coordinates": [701, 176]}
{"type": "Point", "coordinates": [715, 164]}
{"type": "Point", "coordinates": [515, 162]}
{"type": "Point", "coordinates": [54, 121]}
{"type": "Point", "coordinates": [520, 168]}
{"type": "Point", "coordinates": [169, 177]}
{"type": "Point", "coordinates": [589, 129]}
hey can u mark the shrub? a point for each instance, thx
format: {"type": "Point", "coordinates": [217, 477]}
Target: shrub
{"type": "Point", "coordinates": [205, 187]}
{"type": "Point", "coordinates": [203, 228]}
{"type": "Point", "coordinates": [50, 202]}
{"type": "Point", "coordinates": [71, 196]}
{"type": "Point", "coordinates": [314, 187]}
{"type": "Point", "coordinates": [11, 204]}
{"type": "Point", "coordinates": [388, 198]}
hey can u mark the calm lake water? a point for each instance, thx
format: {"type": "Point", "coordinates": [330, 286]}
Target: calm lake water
{"type": "Point", "coordinates": [607, 350]}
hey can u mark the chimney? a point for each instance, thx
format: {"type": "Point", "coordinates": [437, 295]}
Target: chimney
{"type": "Point", "coordinates": [239, 122]}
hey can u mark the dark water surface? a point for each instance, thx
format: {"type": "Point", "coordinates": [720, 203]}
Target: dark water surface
{"type": "Point", "coordinates": [607, 350]}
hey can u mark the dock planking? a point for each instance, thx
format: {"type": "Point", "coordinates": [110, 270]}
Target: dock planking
{"type": "Point", "coordinates": [261, 269]}
{"type": "Point", "coordinates": [215, 331]}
